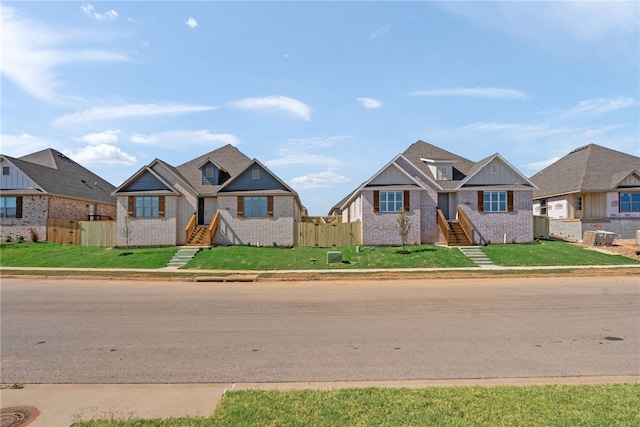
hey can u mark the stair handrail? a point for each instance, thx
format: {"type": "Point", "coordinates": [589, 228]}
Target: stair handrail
{"type": "Point", "coordinates": [191, 225]}
{"type": "Point", "coordinates": [213, 227]}
{"type": "Point", "coordinates": [443, 224]}
{"type": "Point", "coordinates": [464, 221]}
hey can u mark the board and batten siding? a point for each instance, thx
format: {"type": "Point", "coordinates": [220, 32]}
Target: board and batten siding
{"type": "Point", "coordinates": [15, 179]}
{"type": "Point", "coordinates": [246, 182]}
{"type": "Point", "coordinates": [503, 175]}
{"type": "Point", "coordinates": [146, 182]}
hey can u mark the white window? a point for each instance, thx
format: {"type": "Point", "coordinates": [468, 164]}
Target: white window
{"type": "Point", "coordinates": [255, 174]}
{"type": "Point", "coordinates": [495, 201]}
{"type": "Point", "coordinates": [255, 207]}
{"type": "Point", "coordinates": [629, 202]}
{"type": "Point", "coordinates": [443, 172]}
{"type": "Point", "coordinates": [391, 201]}
{"type": "Point", "coordinates": [578, 203]}
{"type": "Point", "coordinates": [209, 172]}
{"type": "Point", "coordinates": [147, 207]}
{"type": "Point", "coordinates": [5, 170]}
{"type": "Point", "coordinates": [8, 207]}
{"type": "Point", "coordinates": [494, 169]}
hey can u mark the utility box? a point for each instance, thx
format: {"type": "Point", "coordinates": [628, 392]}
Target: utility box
{"type": "Point", "coordinates": [598, 238]}
{"type": "Point", "coordinates": [334, 257]}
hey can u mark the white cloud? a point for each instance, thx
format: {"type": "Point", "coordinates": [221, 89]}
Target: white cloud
{"type": "Point", "coordinates": [379, 32]}
{"type": "Point", "coordinates": [129, 111]}
{"type": "Point", "coordinates": [20, 145]}
{"type": "Point", "coordinates": [303, 159]}
{"type": "Point", "coordinates": [541, 164]}
{"type": "Point", "coordinates": [178, 139]}
{"type": "Point", "coordinates": [99, 138]}
{"type": "Point", "coordinates": [369, 102]}
{"type": "Point", "coordinates": [324, 179]}
{"type": "Point", "coordinates": [145, 44]}
{"type": "Point", "coordinates": [595, 106]}
{"type": "Point", "coordinates": [89, 10]}
{"type": "Point", "coordinates": [31, 51]}
{"type": "Point", "coordinates": [278, 103]}
{"type": "Point", "coordinates": [191, 23]}
{"type": "Point", "coordinates": [101, 153]}
{"type": "Point", "coordinates": [478, 92]}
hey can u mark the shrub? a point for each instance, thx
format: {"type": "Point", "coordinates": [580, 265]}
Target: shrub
{"type": "Point", "coordinates": [8, 239]}
{"type": "Point", "coordinates": [34, 235]}
{"type": "Point", "coordinates": [20, 239]}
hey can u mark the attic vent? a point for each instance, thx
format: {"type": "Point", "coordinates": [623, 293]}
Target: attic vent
{"type": "Point", "coordinates": [579, 149]}
{"type": "Point", "coordinates": [63, 157]}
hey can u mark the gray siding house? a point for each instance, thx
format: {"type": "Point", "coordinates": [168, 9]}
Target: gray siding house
{"type": "Point", "coordinates": [48, 184]}
{"type": "Point", "coordinates": [449, 199]}
{"type": "Point", "coordinates": [591, 188]}
{"type": "Point", "coordinates": [220, 198]}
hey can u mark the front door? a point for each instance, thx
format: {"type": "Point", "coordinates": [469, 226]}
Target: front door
{"type": "Point", "coordinates": [443, 204]}
{"type": "Point", "coordinates": [200, 210]}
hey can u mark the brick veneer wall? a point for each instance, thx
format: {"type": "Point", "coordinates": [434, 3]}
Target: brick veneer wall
{"type": "Point", "coordinates": [278, 229]}
{"type": "Point", "coordinates": [492, 226]}
{"type": "Point", "coordinates": [379, 228]}
{"type": "Point", "coordinates": [34, 215]}
{"type": "Point", "coordinates": [147, 231]}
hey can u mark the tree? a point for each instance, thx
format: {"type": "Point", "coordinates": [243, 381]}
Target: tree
{"type": "Point", "coordinates": [403, 224]}
{"type": "Point", "coordinates": [126, 232]}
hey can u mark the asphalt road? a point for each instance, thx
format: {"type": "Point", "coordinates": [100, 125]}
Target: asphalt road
{"type": "Point", "coordinates": [73, 331]}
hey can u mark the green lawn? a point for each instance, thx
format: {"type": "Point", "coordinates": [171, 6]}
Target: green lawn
{"type": "Point", "coordinates": [601, 405]}
{"type": "Point", "coordinates": [550, 253]}
{"type": "Point", "coordinates": [55, 255]}
{"type": "Point", "coordinates": [300, 258]}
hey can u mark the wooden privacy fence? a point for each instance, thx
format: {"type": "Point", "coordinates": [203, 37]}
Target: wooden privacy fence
{"type": "Point", "coordinates": [540, 227]}
{"type": "Point", "coordinates": [85, 233]}
{"type": "Point", "coordinates": [328, 235]}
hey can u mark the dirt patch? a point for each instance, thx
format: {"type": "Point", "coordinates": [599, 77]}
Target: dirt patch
{"type": "Point", "coordinates": [624, 247]}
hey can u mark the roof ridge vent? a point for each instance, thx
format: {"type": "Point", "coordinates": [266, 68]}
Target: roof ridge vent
{"type": "Point", "coordinates": [580, 149]}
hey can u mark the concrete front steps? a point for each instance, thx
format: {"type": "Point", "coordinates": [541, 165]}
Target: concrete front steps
{"type": "Point", "coordinates": [183, 256]}
{"type": "Point", "coordinates": [475, 254]}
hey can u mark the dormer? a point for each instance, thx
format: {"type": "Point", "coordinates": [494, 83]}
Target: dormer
{"type": "Point", "coordinates": [442, 170]}
{"type": "Point", "coordinates": [212, 174]}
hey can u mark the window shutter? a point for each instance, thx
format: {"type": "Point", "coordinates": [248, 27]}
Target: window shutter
{"type": "Point", "coordinates": [161, 207]}
{"type": "Point", "coordinates": [480, 201]}
{"type": "Point", "coordinates": [19, 207]}
{"type": "Point", "coordinates": [405, 201]}
{"type": "Point", "coordinates": [131, 207]}
{"type": "Point", "coordinates": [509, 201]}
{"type": "Point", "coordinates": [240, 206]}
{"type": "Point", "coordinates": [269, 206]}
{"type": "Point", "coordinates": [376, 201]}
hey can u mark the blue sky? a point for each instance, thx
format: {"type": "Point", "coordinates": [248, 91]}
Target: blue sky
{"type": "Point", "coordinates": [323, 93]}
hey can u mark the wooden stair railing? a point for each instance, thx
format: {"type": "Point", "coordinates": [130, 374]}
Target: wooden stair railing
{"type": "Point", "coordinates": [467, 227]}
{"type": "Point", "coordinates": [443, 225]}
{"type": "Point", "coordinates": [201, 236]}
{"type": "Point", "coordinates": [191, 225]}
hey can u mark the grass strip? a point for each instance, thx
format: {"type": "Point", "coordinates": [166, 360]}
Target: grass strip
{"type": "Point", "coordinates": [557, 405]}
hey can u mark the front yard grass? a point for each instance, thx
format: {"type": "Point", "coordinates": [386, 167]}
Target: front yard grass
{"type": "Point", "coordinates": [548, 252]}
{"type": "Point", "coordinates": [557, 405]}
{"type": "Point", "coordinates": [55, 255]}
{"type": "Point", "coordinates": [300, 258]}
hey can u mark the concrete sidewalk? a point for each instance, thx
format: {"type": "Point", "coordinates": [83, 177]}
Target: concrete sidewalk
{"type": "Point", "coordinates": [60, 405]}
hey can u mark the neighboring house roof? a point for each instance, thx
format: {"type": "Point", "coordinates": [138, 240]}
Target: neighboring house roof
{"type": "Point", "coordinates": [591, 168]}
{"type": "Point", "coordinates": [56, 174]}
{"type": "Point", "coordinates": [414, 163]}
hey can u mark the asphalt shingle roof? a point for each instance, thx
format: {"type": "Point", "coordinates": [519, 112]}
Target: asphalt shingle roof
{"type": "Point", "coordinates": [57, 174]}
{"type": "Point", "coordinates": [590, 168]}
{"type": "Point", "coordinates": [229, 158]}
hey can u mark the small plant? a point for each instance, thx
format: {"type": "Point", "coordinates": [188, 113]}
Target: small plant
{"type": "Point", "coordinates": [275, 244]}
{"type": "Point", "coordinates": [20, 239]}
{"type": "Point", "coordinates": [34, 235]}
{"type": "Point", "coordinates": [8, 239]}
{"type": "Point", "coordinates": [403, 224]}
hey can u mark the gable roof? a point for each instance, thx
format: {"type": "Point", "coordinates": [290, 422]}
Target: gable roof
{"type": "Point", "coordinates": [420, 150]}
{"type": "Point", "coordinates": [591, 168]}
{"type": "Point", "coordinates": [229, 157]}
{"type": "Point", "coordinates": [57, 174]}
{"type": "Point", "coordinates": [247, 168]}
{"type": "Point", "coordinates": [478, 166]}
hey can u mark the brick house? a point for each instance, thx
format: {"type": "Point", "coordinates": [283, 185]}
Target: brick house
{"type": "Point", "coordinates": [449, 199]}
{"type": "Point", "coordinates": [220, 198]}
{"type": "Point", "coordinates": [591, 188]}
{"type": "Point", "coordinates": [48, 184]}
